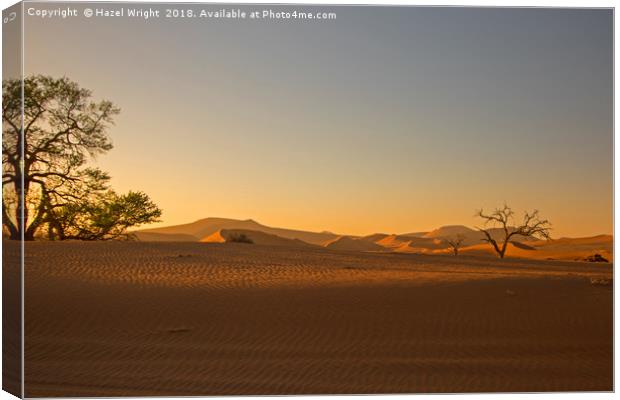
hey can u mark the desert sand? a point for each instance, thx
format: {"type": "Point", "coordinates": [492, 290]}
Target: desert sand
{"type": "Point", "coordinates": [153, 318]}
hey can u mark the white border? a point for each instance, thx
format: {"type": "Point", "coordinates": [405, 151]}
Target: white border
{"type": "Point", "coordinates": [478, 3]}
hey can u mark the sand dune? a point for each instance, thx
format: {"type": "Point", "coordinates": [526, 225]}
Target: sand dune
{"type": "Point", "coordinates": [405, 244]}
{"type": "Point", "coordinates": [564, 249]}
{"type": "Point", "coordinates": [572, 248]}
{"type": "Point", "coordinates": [560, 249]}
{"type": "Point", "coordinates": [347, 243]}
{"type": "Point", "coordinates": [433, 242]}
{"type": "Point", "coordinates": [452, 230]}
{"type": "Point", "coordinates": [513, 250]}
{"type": "Point", "coordinates": [208, 226]}
{"type": "Point", "coordinates": [566, 252]}
{"type": "Point", "coordinates": [260, 238]}
{"type": "Point", "coordinates": [393, 241]}
{"type": "Point", "coordinates": [134, 318]}
{"type": "Point", "coordinates": [375, 237]}
{"type": "Point", "coordinates": [204, 227]}
{"type": "Point", "coordinates": [595, 241]}
{"type": "Point", "coordinates": [522, 245]}
{"type": "Point", "coordinates": [471, 236]}
{"type": "Point", "coordinates": [415, 234]}
{"type": "Point", "coordinates": [164, 237]}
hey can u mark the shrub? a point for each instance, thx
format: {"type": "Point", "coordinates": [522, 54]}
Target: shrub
{"type": "Point", "coordinates": [596, 258]}
{"type": "Point", "coordinates": [239, 238]}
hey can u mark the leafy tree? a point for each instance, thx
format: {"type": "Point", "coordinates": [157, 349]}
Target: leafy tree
{"type": "Point", "coordinates": [531, 226]}
{"type": "Point", "coordinates": [45, 158]}
{"type": "Point", "coordinates": [105, 217]}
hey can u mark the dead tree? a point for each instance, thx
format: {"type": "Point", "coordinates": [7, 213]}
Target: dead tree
{"type": "Point", "coordinates": [455, 243]}
{"type": "Point", "coordinates": [531, 226]}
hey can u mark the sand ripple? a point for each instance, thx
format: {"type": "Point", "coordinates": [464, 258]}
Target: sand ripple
{"type": "Point", "coordinates": [106, 319]}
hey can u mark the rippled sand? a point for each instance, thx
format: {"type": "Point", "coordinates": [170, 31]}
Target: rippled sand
{"type": "Point", "coordinates": [106, 319]}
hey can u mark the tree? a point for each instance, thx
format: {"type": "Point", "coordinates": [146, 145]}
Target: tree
{"type": "Point", "coordinates": [45, 155]}
{"type": "Point", "coordinates": [106, 217]}
{"type": "Point", "coordinates": [531, 226]}
{"type": "Point", "coordinates": [455, 243]}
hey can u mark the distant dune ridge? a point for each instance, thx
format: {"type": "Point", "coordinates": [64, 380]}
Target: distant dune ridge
{"type": "Point", "coordinates": [165, 237]}
{"type": "Point", "coordinates": [257, 237]}
{"type": "Point", "coordinates": [349, 243]}
{"type": "Point", "coordinates": [204, 228]}
{"type": "Point", "coordinates": [219, 230]}
{"type": "Point", "coordinates": [471, 236]}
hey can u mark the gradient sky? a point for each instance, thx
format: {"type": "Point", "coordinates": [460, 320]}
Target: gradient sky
{"type": "Point", "coordinates": [384, 120]}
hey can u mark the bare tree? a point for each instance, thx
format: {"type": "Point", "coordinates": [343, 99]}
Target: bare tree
{"type": "Point", "coordinates": [455, 243]}
{"type": "Point", "coordinates": [531, 226]}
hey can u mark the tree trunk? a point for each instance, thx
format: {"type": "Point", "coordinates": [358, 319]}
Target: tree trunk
{"type": "Point", "coordinates": [504, 247]}
{"type": "Point", "coordinates": [13, 231]}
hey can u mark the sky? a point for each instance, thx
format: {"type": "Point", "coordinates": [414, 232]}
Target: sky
{"type": "Point", "coordinates": [387, 119]}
